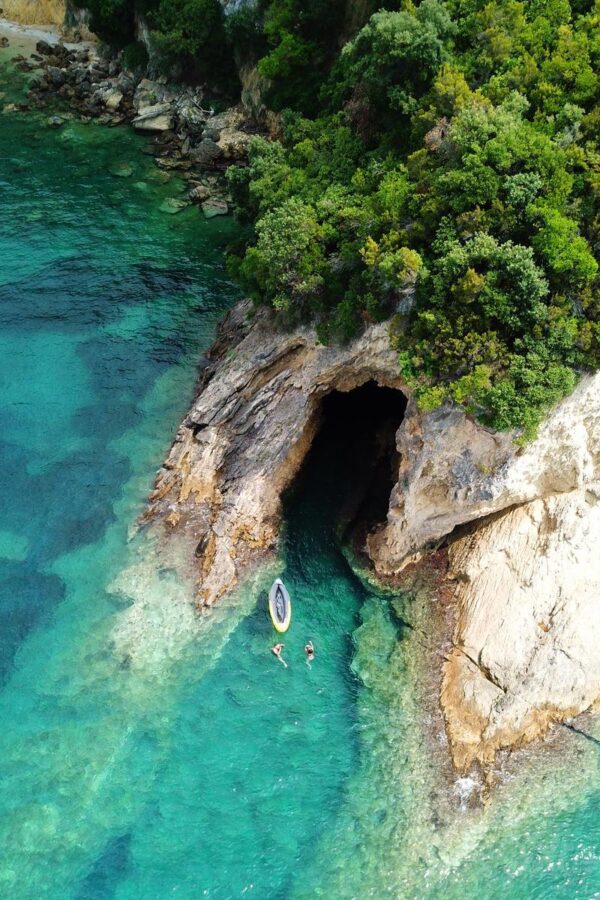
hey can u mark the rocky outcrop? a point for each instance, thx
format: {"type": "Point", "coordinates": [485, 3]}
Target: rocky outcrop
{"type": "Point", "coordinates": [189, 138]}
{"type": "Point", "coordinates": [246, 436]}
{"type": "Point", "coordinates": [525, 650]}
{"type": "Point", "coordinates": [526, 646]}
{"type": "Point", "coordinates": [453, 471]}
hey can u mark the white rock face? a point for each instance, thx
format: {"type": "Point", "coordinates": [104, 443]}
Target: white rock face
{"type": "Point", "coordinates": [527, 637]}
{"type": "Point", "coordinates": [453, 471]}
{"type": "Point", "coordinates": [154, 118]}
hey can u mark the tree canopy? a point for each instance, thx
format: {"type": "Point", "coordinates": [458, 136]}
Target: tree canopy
{"type": "Point", "coordinates": [439, 167]}
{"type": "Point", "coordinates": [446, 178]}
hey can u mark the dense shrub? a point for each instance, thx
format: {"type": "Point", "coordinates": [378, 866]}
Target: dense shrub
{"type": "Point", "coordinates": [449, 180]}
{"type": "Point", "coordinates": [135, 56]}
{"type": "Point", "coordinates": [438, 167]}
{"type": "Point", "coordinates": [189, 36]}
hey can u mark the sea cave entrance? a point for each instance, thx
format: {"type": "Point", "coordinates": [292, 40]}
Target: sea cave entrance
{"type": "Point", "coordinates": [348, 474]}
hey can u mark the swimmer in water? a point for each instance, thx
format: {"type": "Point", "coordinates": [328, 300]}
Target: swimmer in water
{"type": "Point", "coordinates": [310, 653]}
{"type": "Point", "coordinates": [276, 651]}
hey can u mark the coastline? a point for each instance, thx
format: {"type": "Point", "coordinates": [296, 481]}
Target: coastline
{"type": "Point", "coordinates": [455, 797]}
{"type": "Point", "coordinates": [185, 138]}
{"type": "Point", "coordinates": [23, 38]}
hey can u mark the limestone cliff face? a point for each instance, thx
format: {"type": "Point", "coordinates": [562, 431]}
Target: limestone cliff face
{"type": "Point", "coordinates": [453, 471]}
{"type": "Point", "coordinates": [527, 638]}
{"type": "Point", "coordinates": [247, 434]}
{"type": "Point", "coordinates": [526, 648]}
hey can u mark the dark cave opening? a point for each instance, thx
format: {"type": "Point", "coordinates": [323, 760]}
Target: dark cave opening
{"type": "Point", "coordinates": [352, 465]}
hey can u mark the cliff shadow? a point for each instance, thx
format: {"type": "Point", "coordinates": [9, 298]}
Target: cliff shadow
{"type": "Point", "coordinates": [352, 465]}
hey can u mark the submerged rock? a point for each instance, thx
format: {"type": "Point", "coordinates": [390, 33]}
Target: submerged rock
{"type": "Point", "coordinates": [122, 170]}
{"type": "Point", "coordinates": [172, 206]}
{"type": "Point", "coordinates": [214, 207]}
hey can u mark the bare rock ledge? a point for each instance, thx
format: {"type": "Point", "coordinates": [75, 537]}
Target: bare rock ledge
{"type": "Point", "coordinates": [526, 648]}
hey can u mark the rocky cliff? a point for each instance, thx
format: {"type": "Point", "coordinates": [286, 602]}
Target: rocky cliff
{"type": "Point", "coordinates": [247, 434]}
{"type": "Point", "coordinates": [526, 646]}
{"type": "Point", "coordinates": [521, 522]}
{"type": "Point", "coordinates": [526, 579]}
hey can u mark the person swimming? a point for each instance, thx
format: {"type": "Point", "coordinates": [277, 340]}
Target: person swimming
{"type": "Point", "coordinates": [309, 649]}
{"type": "Point", "coordinates": [276, 651]}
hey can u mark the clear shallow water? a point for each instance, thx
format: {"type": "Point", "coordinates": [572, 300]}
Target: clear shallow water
{"type": "Point", "coordinates": [142, 754]}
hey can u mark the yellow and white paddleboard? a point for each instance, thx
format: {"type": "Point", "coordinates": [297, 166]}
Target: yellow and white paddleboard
{"type": "Point", "coordinates": [280, 606]}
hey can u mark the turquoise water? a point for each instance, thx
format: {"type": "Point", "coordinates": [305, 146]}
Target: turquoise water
{"type": "Point", "coordinates": [145, 753]}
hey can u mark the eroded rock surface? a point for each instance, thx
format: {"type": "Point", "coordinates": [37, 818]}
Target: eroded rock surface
{"type": "Point", "coordinates": [453, 471]}
{"type": "Point", "coordinates": [526, 648]}
{"type": "Point", "coordinates": [527, 638]}
{"type": "Point", "coordinates": [247, 434]}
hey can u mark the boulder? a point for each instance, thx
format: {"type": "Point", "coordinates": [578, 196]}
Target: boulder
{"type": "Point", "coordinates": [155, 118]}
{"type": "Point", "coordinates": [226, 130]}
{"type": "Point", "coordinates": [234, 143]}
{"type": "Point", "coordinates": [198, 193]}
{"type": "Point", "coordinates": [44, 48]}
{"type": "Point", "coordinates": [56, 75]}
{"type": "Point", "coordinates": [112, 100]}
{"type": "Point", "coordinates": [206, 153]}
{"type": "Point", "coordinates": [191, 115]}
{"type": "Point", "coordinates": [149, 93]}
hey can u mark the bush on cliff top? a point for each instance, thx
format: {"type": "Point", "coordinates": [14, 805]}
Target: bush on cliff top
{"type": "Point", "coordinates": [448, 179]}
{"type": "Point", "coordinates": [439, 167]}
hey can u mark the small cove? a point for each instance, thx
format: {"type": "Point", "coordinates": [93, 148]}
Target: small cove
{"type": "Point", "coordinates": [197, 765]}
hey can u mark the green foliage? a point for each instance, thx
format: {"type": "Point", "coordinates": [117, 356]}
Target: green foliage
{"type": "Point", "coordinates": [189, 36]}
{"type": "Point", "coordinates": [391, 62]}
{"type": "Point", "coordinates": [135, 56]}
{"type": "Point", "coordinates": [301, 38]}
{"type": "Point", "coordinates": [449, 178]}
{"type": "Point", "coordinates": [112, 20]}
{"type": "Point", "coordinates": [438, 164]}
